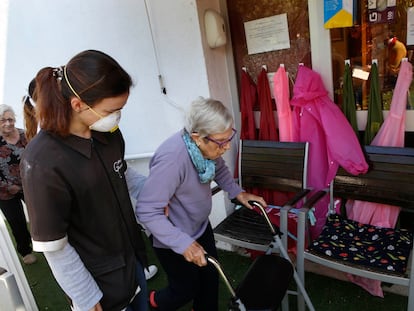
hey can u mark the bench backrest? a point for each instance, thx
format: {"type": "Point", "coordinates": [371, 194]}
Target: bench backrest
{"type": "Point", "coordinates": [273, 165]}
{"type": "Point", "coordinates": [389, 180]}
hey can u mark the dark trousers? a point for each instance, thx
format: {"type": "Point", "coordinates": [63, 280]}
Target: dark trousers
{"type": "Point", "coordinates": [187, 281]}
{"type": "Point", "coordinates": [140, 302]}
{"type": "Point", "coordinates": [14, 213]}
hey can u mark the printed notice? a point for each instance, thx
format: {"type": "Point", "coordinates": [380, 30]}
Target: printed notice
{"type": "Point", "coordinates": [267, 34]}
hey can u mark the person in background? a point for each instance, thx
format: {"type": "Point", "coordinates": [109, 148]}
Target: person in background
{"type": "Point", "coordinates": [73, 175]}
{"type": "Point", "coordinates": [12, 143]}
{"type": "Point", "coordinates": [181, 172]}
{"type": "Point", "coordinates": [396, 52]}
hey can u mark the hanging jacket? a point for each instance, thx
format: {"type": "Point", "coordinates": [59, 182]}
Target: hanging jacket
{"type": "Point", "coordinates": [284, 111]}
{"type": "Point", "coordinates": [375, 117]}
{"type": "Point", "coordinates": [317, 120]}
{"type": "Point", "coordinates": [248, 99]}
{"type": "Point", "coordinates": [348, 105]}
{"type": "Point", "coordinates": [267, 130]}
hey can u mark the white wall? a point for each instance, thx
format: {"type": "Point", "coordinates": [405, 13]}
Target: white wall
{"type": "Point", "coordinates": [148, 38]}
{"type": "Point", "coordinates": [49, 32]}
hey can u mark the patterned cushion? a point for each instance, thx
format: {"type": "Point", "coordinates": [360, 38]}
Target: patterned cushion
{"type": "Point", "coordinates": [374, 247]}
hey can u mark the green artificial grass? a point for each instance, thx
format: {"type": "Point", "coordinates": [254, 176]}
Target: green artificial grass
{"type": "Point", "coordinates": [326, 294]}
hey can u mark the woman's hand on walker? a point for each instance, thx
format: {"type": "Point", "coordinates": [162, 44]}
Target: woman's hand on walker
{"type": "Point", "coordinates": [245, 197]}
{"type": "Point", "coordinates": [195, 254]}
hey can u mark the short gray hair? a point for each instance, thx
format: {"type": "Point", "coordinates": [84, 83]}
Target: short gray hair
{"type": "Point", "coordinates": [208, 116]}
{"type": "Point", "coordinates": [4, 108]}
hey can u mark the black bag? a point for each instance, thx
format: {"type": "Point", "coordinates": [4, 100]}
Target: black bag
{"type": "Point", "coordinates": [265, 283]}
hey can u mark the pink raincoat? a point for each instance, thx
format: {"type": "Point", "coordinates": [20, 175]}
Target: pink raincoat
{"type": "Point", "coordinates": [317, 120]}
{"type": "Point", "coordinates": [284, 111]}
{"type": "Point", "coordinates": [390, 134]}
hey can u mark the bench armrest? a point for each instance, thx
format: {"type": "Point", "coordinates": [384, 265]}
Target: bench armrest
{"type": "Point", "coordinates": [315, 198]}
{"type": "Point", "coordinates": [302, 226]}
{"type": "Point", "coordinates": [298, 196]}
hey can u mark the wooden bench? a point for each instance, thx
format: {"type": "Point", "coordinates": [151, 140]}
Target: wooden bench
{"type": "Point", "coordinates": [267, 165]}
{"type": "Point", "coordinates": [390, 180]}
{"type": "Point", "coordinates": [280, 166]}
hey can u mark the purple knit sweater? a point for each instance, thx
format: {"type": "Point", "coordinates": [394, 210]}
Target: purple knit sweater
{"type": "Point", "coordinates": [173, 181]}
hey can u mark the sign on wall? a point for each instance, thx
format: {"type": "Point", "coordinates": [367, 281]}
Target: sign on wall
{"type": "Point", "coordinates": [267, 34]}
{"type": "Point", "coordinates": [381, 11]}
{"type": "Point", "coordinates": [338, 13]}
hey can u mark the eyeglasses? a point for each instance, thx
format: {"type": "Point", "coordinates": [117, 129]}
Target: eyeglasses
{"type": "Point", "coordinates": [10, 120]}
{"type": "Point", "coordinates": [221, 144]}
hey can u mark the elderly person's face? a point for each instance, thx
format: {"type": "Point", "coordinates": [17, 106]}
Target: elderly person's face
{"type": "Point", "coordinates": [7, 121]}
{"type": "Point", "coordinates": [215, 145]}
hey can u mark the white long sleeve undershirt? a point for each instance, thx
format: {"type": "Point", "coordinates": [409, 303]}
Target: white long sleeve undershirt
{"type": "Point", "coordinates": [73, 277]}
{"type": "Point", "coordinates": [135, 182]}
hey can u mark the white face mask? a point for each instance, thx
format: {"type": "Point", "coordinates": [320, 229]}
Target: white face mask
{"type": "Point", "coordinates": [108, 123]}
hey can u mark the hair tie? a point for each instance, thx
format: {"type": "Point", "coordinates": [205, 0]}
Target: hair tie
{"type": "Point", "coordinates": [28, 97]}
{"type": "Point", "coordinates": [58, 73]}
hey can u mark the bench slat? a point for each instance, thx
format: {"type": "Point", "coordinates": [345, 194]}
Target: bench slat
{"type": "Point", "coordinates": [390, 178]}
{"type": "Point", "coordinates": [273, 165]}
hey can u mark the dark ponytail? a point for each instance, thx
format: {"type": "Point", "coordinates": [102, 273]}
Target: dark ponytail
{"type": "Point", "coordinates": [29, 112]}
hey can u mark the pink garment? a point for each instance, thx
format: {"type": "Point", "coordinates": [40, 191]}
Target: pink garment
{"type": "Point", "coordinates": [284, 111]}
{"type": "Point", "coordinates": [317, 120]}
{"type": "Point", "coordinates": [392, 130]}
{"type": "Point", "coordinates": [390, 134]}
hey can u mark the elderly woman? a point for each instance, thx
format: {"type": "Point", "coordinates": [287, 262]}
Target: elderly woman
{"type": "Point", "coordinates": [12, 143]}
{"type": "Point", "coordinates": [175, 203]}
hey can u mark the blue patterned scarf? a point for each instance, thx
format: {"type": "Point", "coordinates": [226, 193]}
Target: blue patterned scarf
{"type": "Point", "coordinates": [206, 168]}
